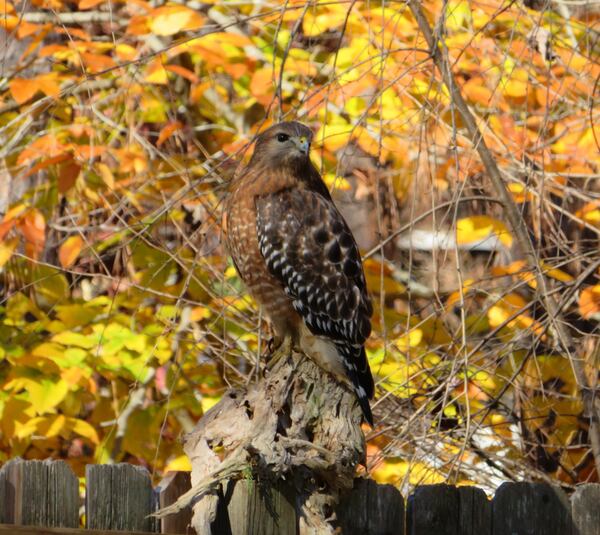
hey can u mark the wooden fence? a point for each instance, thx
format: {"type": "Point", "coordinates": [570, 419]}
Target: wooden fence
{"type": "Point", "coordinates": [121, 497]}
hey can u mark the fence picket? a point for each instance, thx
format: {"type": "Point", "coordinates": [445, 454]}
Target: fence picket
{"type": "Point", "coordinates": [173, 485]}
{"type": "Point", "coordinates": [586, 510]}
{"type": "Point", "coordinates": [433, 509]}
{"type": "Point", "coordinates": [475, 512]}
{"type": "Point", "coordinates": [372, 509]}
{"type": "Point", "coordinates": [119, 497]}
{"type": "Point", "coordinates": [531, 509]}
{"type": "Point", "coordinates": [248, 509]}
{"type": "Point", "coordinates": [39, 493]}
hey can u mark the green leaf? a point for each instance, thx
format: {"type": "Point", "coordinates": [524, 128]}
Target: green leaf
{"type": "Point", "coordinates": [70, 338]}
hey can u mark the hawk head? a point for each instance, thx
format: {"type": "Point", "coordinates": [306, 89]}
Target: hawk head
{"type": "Point", "coordinates": [286, 143]}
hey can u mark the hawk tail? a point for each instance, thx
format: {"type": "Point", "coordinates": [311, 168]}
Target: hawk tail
{"type": "Point", "coordinates": [359, 373]}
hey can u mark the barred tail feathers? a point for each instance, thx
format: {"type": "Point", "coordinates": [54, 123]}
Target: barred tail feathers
{"type": "Point", "coordinates": [359, 373]}
{"type": "Point", "coordinates": [345, 361]}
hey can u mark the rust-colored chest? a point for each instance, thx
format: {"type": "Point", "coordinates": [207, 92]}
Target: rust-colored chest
{"type": "Point", "coordinates": [239, 224]}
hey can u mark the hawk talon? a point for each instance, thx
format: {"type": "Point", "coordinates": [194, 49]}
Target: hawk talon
{"type": "Point", "coordinates": [284, 350]}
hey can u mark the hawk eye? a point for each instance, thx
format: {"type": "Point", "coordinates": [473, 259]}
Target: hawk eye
{"type": "Point", "coordinates": [282, 137]}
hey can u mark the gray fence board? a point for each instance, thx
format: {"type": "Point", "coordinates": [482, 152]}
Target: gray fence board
{"type": "Point", "coordinates": [586, 510]}
{"type": "Point", "coordinates": [119, 497]}
{"type": "Point", "coordinates": [433, 509]}
{"type": "Point", "coordinates": [249, 509]}
{"type": "Point", "coordinates": [531, 509]}
{"type": "Point", "coordinates": [39, 493]}
{"type": "Point", "coordinates": [173, 485]}
{"type": "Point", "coordinates": [372, 509]}
{"type": "Point", "coordinates": [475, 512]}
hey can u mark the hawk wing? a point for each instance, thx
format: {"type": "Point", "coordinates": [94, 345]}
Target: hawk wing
{"type": "Point", "coordinates": [309, 248]}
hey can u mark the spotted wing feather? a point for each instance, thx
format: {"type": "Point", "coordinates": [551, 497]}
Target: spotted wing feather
{"type": "Point", "coordinates": [309, 248]}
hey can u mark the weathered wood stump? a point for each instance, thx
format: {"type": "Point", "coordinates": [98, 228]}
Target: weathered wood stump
{"type": "Point", "coordinates": [297, 426]}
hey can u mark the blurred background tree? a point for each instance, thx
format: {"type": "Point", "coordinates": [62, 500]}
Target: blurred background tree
{"type": "Point", "coordinates": [121, 320]}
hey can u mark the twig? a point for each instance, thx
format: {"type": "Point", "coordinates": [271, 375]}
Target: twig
{"type": "Point", "coordinates": [135, 400]}
{"type": "Point", "coordinates": [82, 17]}
{"type": "Point", "coordinates": [524, 246]}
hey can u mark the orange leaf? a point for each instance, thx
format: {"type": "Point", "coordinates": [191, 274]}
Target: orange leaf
{"type": "Point", "coordinates": [33, 227]}
{"type": "Point", "coordinates": [51, 50]}
{"type": "Point", "coordinates": [88, 152]}
{"type": "Point", "coordinates": [25, 29]}
{"type": "Point", "coordinates": [262, 82]}
{"type": "Point", "coordinates": [43, 164]}
{"type": "Point", "coordinates": [97, 62]}
{"type": "Point", "coordinates": [88, 4]}
{"type": "Point", "coordinates": [138, 25]}
{"type": "Point", "coordinates": [477, 92]}
{"type": "Point", "coordinates": [6, 7]}
{"type": "Point", "coordinates": [67, 175]}
{"type": "Point", "coordinates": [69, 251]}
{"type": "Point", "coordinates": [73, 32]}
{"type": "Point", "coordinates": [5, 226]}
{"type": "Point", "coordinates": [183, 72]}
{"type": "Point", "coordinates": [23, 89]}
{"type": "Point", "coordinates": [46, 146]}
{"type": "Point", "coordinates": [589, 302]}
{"type": "Point", "coordinates": [168, 131]}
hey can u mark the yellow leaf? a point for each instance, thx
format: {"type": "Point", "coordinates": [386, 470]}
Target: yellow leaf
{"type": "Point", "coordinates": [179, 464]}
{"type": "Point", "coordinates": [55, 426]}
{"type": "Point", "coordinates": [45, 394]}
{"type": "Point", "coordinates": [480, 228]}
{"type": "Point", "coordinates": [556, 273]}
{"type": "Point", "coordinates": [520, 193]}
{"type": "Point", "coordinates": [458, 15]}
{"type": "Point", "coordinates": [83, 429]}
{"type": "Point", "coordinates": [335, 136]}
{"type": "Point", "coordinates": [316, 24]}
{"type": "Point", "coordinates": [411, 339]}
{"type": "Point", "coordinates": [393, 471]}
{"type": "Point", "coordinates": [199, 313]}
{"type": "Point", "coordinates": [69, 251]}
{"type": "Point", "coordinates": [6, 250]}
{"type": "Point", "coordinates": [125, 52]}
{"type": "Point", "coordinates": [169, 20]}
{"type": "Point", "coordinates": [590, 213]}
{"type": "Point", "coordinates": [156, 73]}
{"type": "Point", "coordinates": [106, 174]}
{"type": "Point", "coordinates": [335, 182]}
{"type": "Point", "coordinates": [208, 402]}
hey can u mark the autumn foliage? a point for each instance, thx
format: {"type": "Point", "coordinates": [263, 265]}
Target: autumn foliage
{"type": "Point", "coordinates": [121, 320]}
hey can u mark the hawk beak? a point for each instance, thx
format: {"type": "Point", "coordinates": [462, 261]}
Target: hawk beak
{"type": "Point", "coordinates": [303, 144]}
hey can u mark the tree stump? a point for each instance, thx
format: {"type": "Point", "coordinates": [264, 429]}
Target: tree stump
{"type": "Point", "coordinates": [296, 424]}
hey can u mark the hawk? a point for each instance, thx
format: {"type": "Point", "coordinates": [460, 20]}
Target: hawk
{"type": "Point", "coordinates": [298, 258]}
